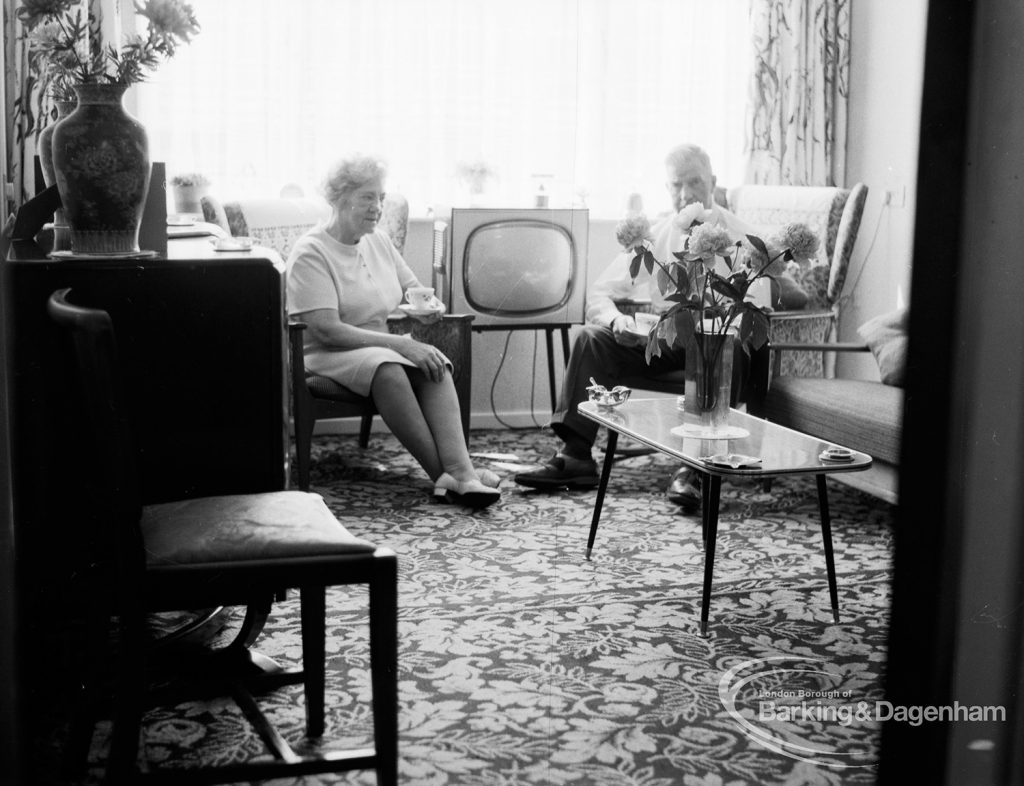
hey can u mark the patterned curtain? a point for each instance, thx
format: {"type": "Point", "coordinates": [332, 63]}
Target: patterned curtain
{"type": "Point", "coordinates": [796, 127]}
{"type": "Point", "coordinates": [27, 108]}
{"type": "Point", "coordinates": [24, 108]}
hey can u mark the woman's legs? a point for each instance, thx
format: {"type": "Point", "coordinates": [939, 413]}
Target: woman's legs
{"type": "Point", "coordinates": [425, 417]}
{"type": "Point", "coordinates": [439, 404]}
{"type": "Point", "coordinates": [397, 404]}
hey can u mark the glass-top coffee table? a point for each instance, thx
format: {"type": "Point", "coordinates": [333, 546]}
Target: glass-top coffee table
{"type": "Point", "coordinates": [755, 448]}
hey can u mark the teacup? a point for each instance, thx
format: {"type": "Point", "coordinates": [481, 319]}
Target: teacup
{"type": "Point", "coordinates": [420, 298]}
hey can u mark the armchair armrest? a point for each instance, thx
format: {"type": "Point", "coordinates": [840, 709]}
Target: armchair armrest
{"type": "Point", "coordinates": [820, 346]}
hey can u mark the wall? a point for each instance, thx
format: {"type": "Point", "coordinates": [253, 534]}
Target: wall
{"type": "Point", "coordinates": [886, 70]}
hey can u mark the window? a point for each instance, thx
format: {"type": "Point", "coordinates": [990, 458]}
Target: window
{"type": "Point", "coordinates": [585, 96]}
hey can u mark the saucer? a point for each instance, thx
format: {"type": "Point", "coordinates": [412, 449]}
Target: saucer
{"type": "Point", "coordinates": [233, 244]}
{"type": "Point", "coordinates": [710, 432]}
{"type": "Point", "coordinates": [144, 254]}
{"type": "Point", "coordinates": [412, 311]}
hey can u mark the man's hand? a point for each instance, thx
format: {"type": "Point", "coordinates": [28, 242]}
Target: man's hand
{"type": "Point", "coordinates": [624, 330]}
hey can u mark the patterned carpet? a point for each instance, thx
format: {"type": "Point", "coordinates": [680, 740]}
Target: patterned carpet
{"type": "Point", "coordinates": [523, 663]}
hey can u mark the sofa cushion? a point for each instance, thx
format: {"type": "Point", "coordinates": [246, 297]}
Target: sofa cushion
{"type": "Point", "coordinates": [858, 414]}
{"type": "Point", "coordinates": [886, 336]}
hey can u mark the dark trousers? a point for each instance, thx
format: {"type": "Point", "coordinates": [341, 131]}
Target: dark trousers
{"type": "Point", "coordinates": [596, 354]}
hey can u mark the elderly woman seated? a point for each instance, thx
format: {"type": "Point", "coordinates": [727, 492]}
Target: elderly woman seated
{"type": "Point", "coordinates": [344, 277]}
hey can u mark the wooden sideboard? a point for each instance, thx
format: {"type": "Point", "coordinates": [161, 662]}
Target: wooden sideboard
{"type": "Point", "coordinates": [202, 344]}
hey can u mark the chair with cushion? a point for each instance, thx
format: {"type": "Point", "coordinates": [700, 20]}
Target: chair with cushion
{"type": "Point", "coordinates": [277, 222]}
{"type": "Point", "coordinates": [217, 551]}
{"type": "Point", "coordinates": [835, 215]}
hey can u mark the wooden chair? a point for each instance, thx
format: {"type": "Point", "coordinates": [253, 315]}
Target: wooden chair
{"type": "Point", "coordinates": [217, 551]}
{"type": "Point", "coordinates": [315, 397]}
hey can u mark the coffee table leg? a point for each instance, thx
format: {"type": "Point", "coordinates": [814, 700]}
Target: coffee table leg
{"type": "Point", "coordinates": [705, 507]}
{"type": "Point", "coordinates": [826, 536]}
{"type": "Point", "coordinates": [606, 470]}
{"type": "Point", "coordinates": [714, 486]}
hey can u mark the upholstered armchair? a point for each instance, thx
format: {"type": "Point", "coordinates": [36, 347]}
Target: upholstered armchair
{"type": "Point", "coordinates": [835, 215]}
{"type": "Point", "coordinates": [277, 222]}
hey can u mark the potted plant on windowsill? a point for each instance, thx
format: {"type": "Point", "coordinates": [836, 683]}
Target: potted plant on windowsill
{"type": "Point", "coordinates": [100, 152]}
{"type": "Point", "coordinates": [189, 188]}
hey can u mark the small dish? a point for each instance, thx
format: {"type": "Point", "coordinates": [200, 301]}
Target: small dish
{"type": "Point", "coordinates": [412, 311]}
{"type": "Point", "coordinates": [836, 453]}
{"type": "Point", "coordinates": [233, 244]}
{"type": "Point", "coordinates": [732, 460]}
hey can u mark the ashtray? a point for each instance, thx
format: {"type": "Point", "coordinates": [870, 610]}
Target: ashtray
{"type": "Point", "coordinates": [836, 453]}
{"type": "Point", "coordinates": [603, 397]}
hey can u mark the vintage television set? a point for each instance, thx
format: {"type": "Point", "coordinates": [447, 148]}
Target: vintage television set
{"type": "Point", "coordinates": [514, 268]}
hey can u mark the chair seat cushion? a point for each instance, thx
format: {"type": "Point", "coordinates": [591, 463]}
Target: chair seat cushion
{"type": "Point", "coordinates": [865, 416]}
{"type": "Point", "coordinates": [325, 387]}
{"type": "Point", "coordinates": [244, 528]}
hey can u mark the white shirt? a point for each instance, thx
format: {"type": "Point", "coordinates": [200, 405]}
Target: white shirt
{"type": "Point", "coordinates": [615, 282]}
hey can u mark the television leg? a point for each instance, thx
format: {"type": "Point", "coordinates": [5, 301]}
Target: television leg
{"type": "Point", "coordinates": [551, 367]}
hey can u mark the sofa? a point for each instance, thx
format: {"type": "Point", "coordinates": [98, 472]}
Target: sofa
{"type": "Point", "coordinates": [865, 415]}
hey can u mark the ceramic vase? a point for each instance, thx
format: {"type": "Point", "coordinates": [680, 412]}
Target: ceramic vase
{"type": "Point", "coordinates": [61, 232]}
{"type": "Point", "coordinates": [101, 165]}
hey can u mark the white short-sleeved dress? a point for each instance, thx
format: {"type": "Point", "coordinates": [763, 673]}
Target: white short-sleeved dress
{"type": "Point", "coordinates": [365, 282]}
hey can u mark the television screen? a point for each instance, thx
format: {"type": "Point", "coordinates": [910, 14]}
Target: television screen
{"type": "Point", "coordinates": [518, 266]}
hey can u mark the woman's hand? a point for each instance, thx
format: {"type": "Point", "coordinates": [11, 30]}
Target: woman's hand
{"type": "Point", "coordinates": [428, 359]}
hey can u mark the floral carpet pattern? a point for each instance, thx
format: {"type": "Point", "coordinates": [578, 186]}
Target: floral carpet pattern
{"type": "Point", "coordinates": [523, 663]}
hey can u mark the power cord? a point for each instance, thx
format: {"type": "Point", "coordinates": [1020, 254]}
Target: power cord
{"type": "Point", "coordinates": [533, 386]}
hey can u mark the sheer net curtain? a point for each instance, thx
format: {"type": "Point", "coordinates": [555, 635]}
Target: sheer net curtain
{"type": "Point", "coordinates": [591, 93]}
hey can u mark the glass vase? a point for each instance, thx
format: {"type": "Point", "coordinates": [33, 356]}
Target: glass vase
{"type": "Point", "coordinates": [708, 390]}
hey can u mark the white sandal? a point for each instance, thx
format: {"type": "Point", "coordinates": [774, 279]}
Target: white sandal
{"type": "Point", "coordinates": [471, 492]}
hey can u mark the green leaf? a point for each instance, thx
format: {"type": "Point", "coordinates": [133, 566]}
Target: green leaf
{"type": "Point", "coordinates": [723, 287]}
{"type": "Point", "coordinates": [634, 265]}
{"type": "Point", "coordinates": [649, 260]}
{"type": "Point", "coordinates": [663, 280]}
{"type": "Point", "coordinates": [757, 243]}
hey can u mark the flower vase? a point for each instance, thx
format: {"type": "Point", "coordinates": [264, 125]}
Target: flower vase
{"type": "Point", "coordinates": [101, 165]}
{"type": "Point", "coordinates": [61, 232]}
{"type": "Point", "coordinates": [708, 387]}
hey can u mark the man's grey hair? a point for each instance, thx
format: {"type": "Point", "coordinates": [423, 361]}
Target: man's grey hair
{"type": "Point", "coordinates": [686, 153]}
{"type": "Point", "coordinates": [349, 174]}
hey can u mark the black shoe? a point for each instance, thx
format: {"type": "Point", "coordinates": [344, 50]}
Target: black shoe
{"type": "Point", "coordinates": [561, 471]}
{"type": "Point", "coordinates": [684, 489]}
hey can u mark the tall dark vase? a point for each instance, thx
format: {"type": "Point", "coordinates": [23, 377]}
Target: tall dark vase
{"type": "Point", "coordinates": [61, 231]}
{"type": "Point", "coordinates": [101, 164]}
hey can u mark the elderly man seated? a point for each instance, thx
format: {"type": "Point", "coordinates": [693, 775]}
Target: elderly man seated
{"type": "Point", "coordinates": [609, 347]}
